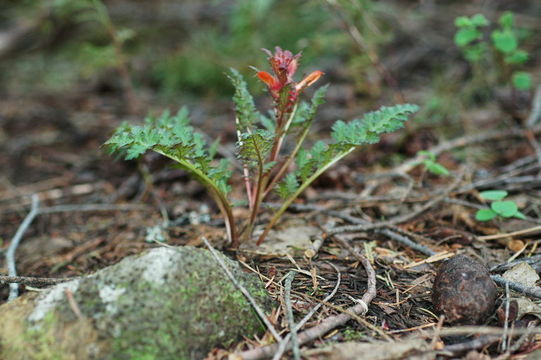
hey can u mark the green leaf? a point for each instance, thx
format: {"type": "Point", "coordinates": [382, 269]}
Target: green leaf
{"type": "Point", "coordinates": [517, 57]}
{"type": "Point", "coordinates": [306, 112]}
{"type": "Point", "coordinates": [504, 208]}
{"type": "Point", "coordinates": [429, 155]}
{"type": "Point", "coordinates": [484, 215]}
{"type": "Point", "coordinates": [521, 80]}
{"type": "Point", "coordinates": [173, 137]}
{"type": "Point", "coordinates": [245, 109]}
{"type": "Point", "coordinates": [479, 20]}
{"type": "Point", "coordinates": [304, 165]}
{"type": "Point", "coordinates": [493, 195]}
{"type": "Point", "coordinates": [287, 186]}
{"type": "Point", "coordinates": [520, 215]}
{"type": "Point", "coordinates": [475, 52]}
{"type": "Point", "coordinates": [465, 36]}
{"type": "Point", "coordinates": [268, 123]}
{"type": "Point", "coordinates": [368, 129]}
{"type": "Point", "coordinates": [437, 169]}
{"type": "Point", "coordinates": [254, 148]}
{"type": "Point", "coordinates": [506, 20]}
{"type": "Point", "coordinates": [505, 41]}
{"type": "Point", "coordinates": [462, 21]}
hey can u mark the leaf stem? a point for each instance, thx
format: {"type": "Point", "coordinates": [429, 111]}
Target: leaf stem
{"type": "Point", "coordinates": [246, 171]}
{"type": "Point", "coordinates": [301, 188]}
{"type": "Point", "coordinates": [288, 161]}
{"type": "Point", "coordinates": [217, 195]}
{"type": "Point", "coordinates": [257, 195]}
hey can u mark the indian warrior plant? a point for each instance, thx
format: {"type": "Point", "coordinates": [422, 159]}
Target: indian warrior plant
{"type": "Point", "coordinates": [260, 143]}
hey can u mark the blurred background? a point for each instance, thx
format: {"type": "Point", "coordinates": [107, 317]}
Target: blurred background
{"type": "Point", "coordinates": [73, 70]}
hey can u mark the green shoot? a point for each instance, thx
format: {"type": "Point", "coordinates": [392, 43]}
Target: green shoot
{"type": "Point", "coordinates": [431, 164]}
{"type": "Point", "coordinates": [498, 207]}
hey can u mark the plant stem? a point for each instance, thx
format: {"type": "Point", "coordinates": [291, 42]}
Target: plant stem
{"type": "Point", "coordinates": [246, 171]}
{"type": "Point", "coordinates": [301, 188]}
{"type": "Point", "coordinates": [217, 195]}
{"type": "Point", "coordinates": [288, 161]}
{"type": "Point", "coordinates": [283, 132]}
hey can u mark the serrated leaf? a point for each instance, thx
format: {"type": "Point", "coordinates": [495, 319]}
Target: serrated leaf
{"type": "Point", "coordinates": [306, 112]}
{"type": "Point", "coordinates": [304, 166]}
{"type": "Point", "coordinates": [173, 137]}
{"type": "Point", "coordinates": [485, 215]}
{"type": "Point", "coordinates": [504, 208]}
{"type": "Point", "coordinates": [287, 186]}
{"type": "Point", "coordinates": [493, 195]}
{"type": "Point", "coordinates": [268, 166]}
{"type": "Point", "coordinates": [368, 129]}
{"type": "Point", "coordinates": [254, 148]}
{"type": "Point", "coordinates": [245, 109]}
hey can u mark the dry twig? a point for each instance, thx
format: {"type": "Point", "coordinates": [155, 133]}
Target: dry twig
{"type": "Point", "coordinates": [285, 342]}
{"type": "Point", "coordinates": [398, 219]}
{"type": "Point", "coordinates": [10, 253]}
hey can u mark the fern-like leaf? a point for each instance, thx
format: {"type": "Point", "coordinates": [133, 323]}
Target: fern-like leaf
{"type": "Point", "coordinates": [254, 148]}
{"type": "Point", "coordinates": [306, 112]}
{"type": "Point", "coordinates": [245, 109]}
{"type": "Point", "coordinates": [368, 129]}
{"type": "Point", "coordinates": [287, 186]}
{"type": "Point", "coordinates": [175, 138]}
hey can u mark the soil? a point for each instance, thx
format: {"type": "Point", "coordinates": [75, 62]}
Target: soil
{"type": "Point", "coordinates": [51, 146]}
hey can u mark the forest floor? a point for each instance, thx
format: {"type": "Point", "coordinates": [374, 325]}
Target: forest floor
{"type": "Point", "coordinates": [94, 210]}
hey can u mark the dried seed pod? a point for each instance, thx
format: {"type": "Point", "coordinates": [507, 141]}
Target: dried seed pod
{"type": "Point", "coordinates": [463, 291]}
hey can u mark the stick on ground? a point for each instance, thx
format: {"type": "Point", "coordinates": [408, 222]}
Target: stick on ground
{"type": "Point", "coordinates": [10, 254]}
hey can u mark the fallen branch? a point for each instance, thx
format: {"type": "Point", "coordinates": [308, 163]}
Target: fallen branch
{"type": "Point", "coordinates": [398, 219]}
{"type": "Point", "coordinates": [465, 141]}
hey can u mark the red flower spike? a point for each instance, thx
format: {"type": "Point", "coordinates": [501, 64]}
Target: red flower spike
{"type": "Point", "coordinates": [309, 80]}
{"type": "Point", "coordinates": [272, 83]}
{"type": "Point", "coordinates": [282, 87]}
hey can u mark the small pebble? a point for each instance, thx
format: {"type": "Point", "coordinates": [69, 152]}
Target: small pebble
{"type": "Point", "coordinates": [463, 291]}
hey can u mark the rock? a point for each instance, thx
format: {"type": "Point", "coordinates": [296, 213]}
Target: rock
{"type": "Point", "coordinates": [165, 303]}
{"type": "Point", "coordinates": [463, 291]}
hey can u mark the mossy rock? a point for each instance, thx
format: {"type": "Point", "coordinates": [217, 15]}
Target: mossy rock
{"type": "Point", "coordinates": [163, 304]}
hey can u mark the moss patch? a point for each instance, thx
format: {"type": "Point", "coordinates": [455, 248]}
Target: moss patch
{"type": "Point", "coordinates": [165, 303]}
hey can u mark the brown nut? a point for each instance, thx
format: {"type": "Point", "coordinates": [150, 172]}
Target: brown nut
{"type": "Point", "coordinates": [463, 291]}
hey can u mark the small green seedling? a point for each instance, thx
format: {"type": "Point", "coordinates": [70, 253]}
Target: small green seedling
{"type": "Point", "coordinates": [498, 207]}
{"type": "Point", "coordinates": [469, 36]}
{"type": "Point", "coordinates": [431, 164]}
{"type": "Point", "coordinates": [504, 42]}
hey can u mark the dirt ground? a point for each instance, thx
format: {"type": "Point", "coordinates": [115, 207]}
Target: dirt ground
{"type": "Point", "coordinates": [97, 209]}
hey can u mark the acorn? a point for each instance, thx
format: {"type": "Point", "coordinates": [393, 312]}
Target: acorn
{"type": "Point", "coordinates": [463, 291]}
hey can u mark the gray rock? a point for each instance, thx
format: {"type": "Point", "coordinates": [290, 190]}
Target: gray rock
{"type": "Point", "coordinates": [163, 304]}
